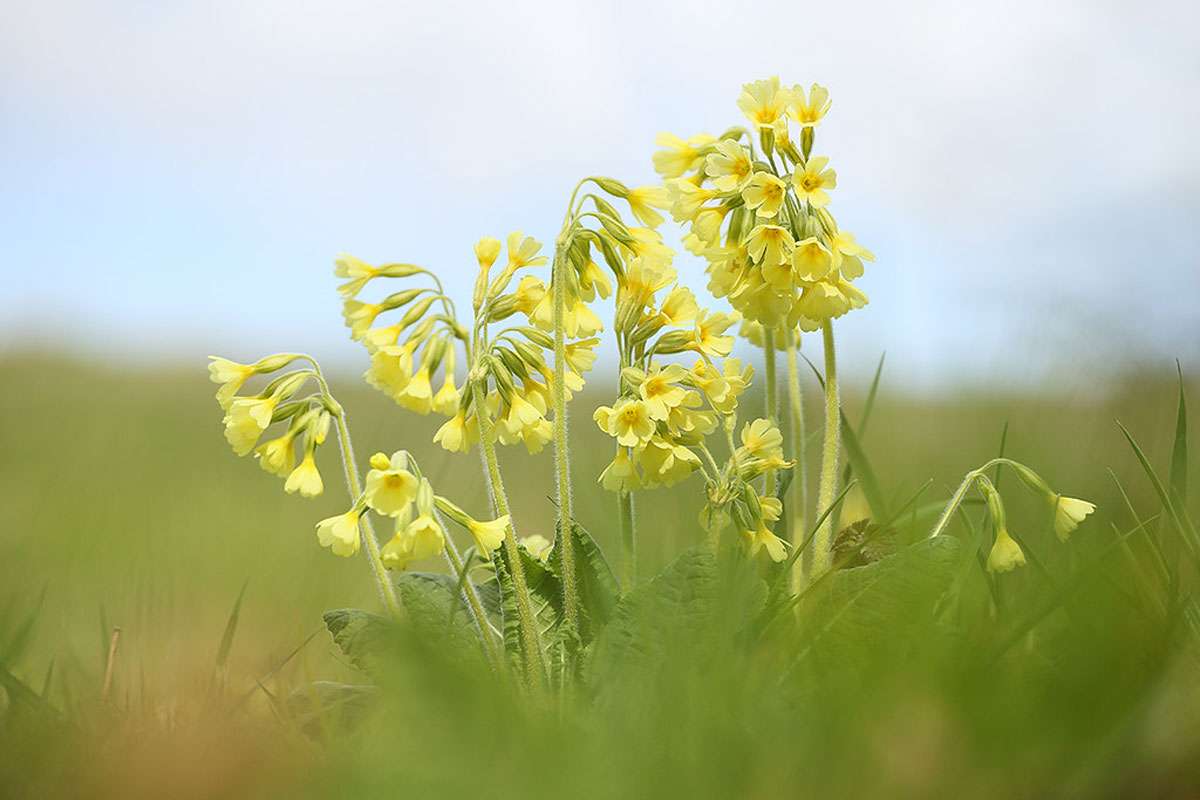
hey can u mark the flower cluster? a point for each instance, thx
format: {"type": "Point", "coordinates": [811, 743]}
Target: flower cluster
{"type": "Point", "coordinates": [507, 372]}
{"type": "Point", "coordinates": [396, 490]}
{"type": "Point", "coordinates": [764, 226]}
{"type": "Point", "coordinates": [247, 418]}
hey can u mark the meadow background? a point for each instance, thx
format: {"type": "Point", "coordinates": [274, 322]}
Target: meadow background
{"type": "Point", "coordinates": [178, 179]}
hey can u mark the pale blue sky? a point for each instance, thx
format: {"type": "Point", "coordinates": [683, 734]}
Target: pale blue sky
{"type": "Point", "coordinates": [177, 177]}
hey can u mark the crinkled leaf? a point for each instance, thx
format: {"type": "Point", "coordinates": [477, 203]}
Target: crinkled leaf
{"type": "Point", "coordinates": [360, 635]}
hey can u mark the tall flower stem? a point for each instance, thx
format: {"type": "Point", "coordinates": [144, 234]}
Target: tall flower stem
{"type": "Point", "coordinates": [562, 456]}
{"type": "Point", "coordinates": [771, 479]}
{"type": "Point", "coordinates": [387, 592]}
{"type": "Point", "coordinates": [799, 488]}
{"type": "Point", "coordinates": [827, 488]}
{"type": "Point", "coordinates": [531, 646]}
{"type": "Point", "coordinates": [628, 541]}
{"type": "Point", "coordinates": [486, 635]}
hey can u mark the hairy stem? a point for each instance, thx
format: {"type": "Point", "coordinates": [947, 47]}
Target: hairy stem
{"type": "Point", "coordinates": [387, 592]}
{"type": "Point", "coordinates": [486, 635]}
{"type": "Point", "coordinates": [827, 488]}
{"type": "Point", "coordinates": [628, 541]}
{"type": "Point", "coordinates": [530, 642]}
{"type": "Point", "coordinates": [771, 479]}
{"type": "Point", "coordinates": [562, 456]}
{"type": "Point", "coordinates": [799, 489]}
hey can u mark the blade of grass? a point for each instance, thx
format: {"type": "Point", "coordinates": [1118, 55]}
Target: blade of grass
{"type": "Point", "coordinates": [869, 405]}
{"type": "Point", "coordinates": [1177, 478]}
{"type": "Point", "coordinates": [231, 625]}
{"type": "Point", "coordinates": [1183, 525]}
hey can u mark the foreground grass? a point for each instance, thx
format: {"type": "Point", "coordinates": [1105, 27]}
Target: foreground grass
{"type": "Point", "coordinates": [122, 508]}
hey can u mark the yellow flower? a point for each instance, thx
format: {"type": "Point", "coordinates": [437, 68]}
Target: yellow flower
{"type": "Point", "coordinates": [687, 199]}
{"type": "Point", "coordinates": [660, 392]}
{"type": "Point", "coordinates": [359, 316]}
{"type": "Point", "coordinates": [629, 422]}
{"type": "Point", "coordinates": [376, 338]}
{"type": "Point", "coordinates": [769, 244]}
{"type": "Point", "coordinates": [278, 456]}
{"type": "Point", "coordinates": [763, 539]}
{"type": "Point", "coordinates": [593, 280]}
{"type": "Point", "coordinates": [707, 338]}
{"type": "Point", "coordinates": [761, 438]}
{"type": "Point", "coordinates": [808, 112]}
{"type": "Point", "coordinates": [812, 182]}
{"type": "Point", "coordinates": [530, 291]}
{"type": "Point", "coordinates": [678, 156]}
{"type": "Point", "coordinates": [1006, 554]}
{"type": "Point", "coordinates": [358, 271]}
{"type": "Point", "coordinates": [648, 246]}
{"type": "Point", "coordinates": [764, 102]}
{"type": "Point", "coordinates": [231, 375]}
{"type": "Point", "coordinates": [246, 419]}
{"type": "Point", "coordinates": [391, 368]}
{"type": "Point", "coordinates": [1068, 513]}
{"type": "Point", "coordinates": [642, 202]}
{"type": "Point", "coordinates": [537, 436]}
{"type": "Point", "coordinates": [849, 254]}
{"type": "Point", "coordinates": [456, 434]}
{"type": "Point", "coordinates": [390, 488]}
{"type": "Point", "coordinates": [620, 475]}
{"type": "Point", "coordinates": [582, 321]}
{"type": "Point", "coordinates": [340, 533]}
{"type": "Point", "coordinates": [729, 166]}
{"type": "Point", "coordinates": [523, 251]}
{"type": "Point", "coordinates": [538, 546]}
{"type": "Point", "coordinates": [764, 194]}
{"type": "Point", "coordinates": [488, 535]}
{"type": "Point", "coordinates": [305, 478]}
{"type": "Point", "coordinates": [665, 463]}
{"type": "Point", "coordinates": [445, 402]}
{"type": "Point", "coordinates": [811, 260]}
{"type": "Point", "coordinates": [421, 538]}
{"type": "Point", "coordinates": [581, 355]}
{"type": "Point", "coordinates": [680, 307]}
{"type": "Point", "coordinates": [417, 395]}
{"type": "Point", "coordinates": [487, 250]}
{"type": "Point", "coordinates": [707, 225]}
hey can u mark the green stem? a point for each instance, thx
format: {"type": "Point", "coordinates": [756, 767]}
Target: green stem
{"type": "Point", "coordinates": [628, 541]}
{"type": "Point", "coordinates": [562, 456]}
{"type": "Point", "coordinates": [827, 488]}
{"type": "Point", "coordinates": [387, 592]}
{"type": "Point", "coordinates": [771, 479]}
{"type": "Point", "coordinates": [799, 490]}
{"type": "Point", "coordinates": [530, 642]}
{"type": "Point", "coordinates": [486, 635]}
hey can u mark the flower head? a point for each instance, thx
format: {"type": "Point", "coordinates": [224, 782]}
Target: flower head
{"type": "Point", "coordinates": [390, 487]}
{"type": "Point", "coordinates": [813, 182]}
{"type": "Point", "coordinates": [764, 194]}
{"type": "Point", "coordinates": [770, 244]}
{"type": "Point", "coordinates": [488, 535]}
{"type": "Point", "coordinates": [764, 102]}
{"type": "Point", "coordinates": [728, 165]}
{"type": "Point", "coordinates": [679, 156]}
{"type": "Point", "coordinates": [538, 546]}
{"type": "Point", "coordinates": [305, 479]}
{"type": "Point", "coordinates": [231, 375]}
{"type": "Point", "coordinates": [246, 419]}
{"type": "Point", "coordinates": [811, 109]}
{"type": "Point", "coordinates": [643, 200]}
{"type": "Point", "coordinates": [340, 533]}
{"type": "Point", "coordinates": [620, 474]}
{"type": "Point", "coordinates": [1006, 555]}
{"type": "Point", "coordinates": [421, 538]}
{"type": "Point", "coordinates": [1068, 513]}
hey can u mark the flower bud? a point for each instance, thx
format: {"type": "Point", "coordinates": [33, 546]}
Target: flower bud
{"type": "Point", "coordinates": [612, 186]}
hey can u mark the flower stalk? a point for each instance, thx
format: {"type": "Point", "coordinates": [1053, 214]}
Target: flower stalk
{"type": "Point", "coordinates": [771, 478]}
{"type": "Point", "coordinates": [562, 455]}
{"type": "Point", "coordinates": [830, 452]}
{"type": "Point", "coordinates": [799, 446]}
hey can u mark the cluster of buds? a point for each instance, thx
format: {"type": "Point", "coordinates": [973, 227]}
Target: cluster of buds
{"type": "Point", "coordinates": [734, 499]}
{"type": "Point", "coordinates": [248, 417]}
{"type": "Point", "coordinates": [508, 371]}
{"type": "Point", "coordinates": [396, 489]}
{"type": "Point", "coordinates": [764, 226]}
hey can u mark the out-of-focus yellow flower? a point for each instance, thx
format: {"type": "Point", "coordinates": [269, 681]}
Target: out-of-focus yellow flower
{"type": "Point", "coordinates": [488, 535]}
{"type": "Point", "coordinates": [417, 394]}
{"type": "Point", "coordinates": [764, 102]}
{"type": "Point", "coordinates": [729, 166]}
{"type": "Point", "coordinates": [538, 546]}
{"type": "Point", "coordinates": [811, 260]}
{"type": "Point", "coordinates": [359, 316]}
{"type": "Point", "coordinates": [680, 307]}
{"type": "Point", "coordinates": [810, 110]}
{"type": "Point", "coordinates": [679, 156]}
{"type": "Point", "coordinates": [391, 368]}
{"type": "Point", "coordinates": [644, 199]}
{"type": "Point", "coordinates": [358, 271]}
{"type": "Point", "coordinates": [814, 181]}
{"type": "Point", "coordinates": [593, 281]}
{"type": "Point", "coordinates": [278, 456]}
{"type": "Point", "coordinates": [1068, 513]}
{"type": "Point", "coordinates": [340, 534]}
{"type": "Point", "coordinates": [770, 244]}
{"type": "Point", "coordinates": [764, 194]}
{"type": "Point", "coordinates": [246, 419]}
{"type": "Point", "coordinates": [849, 254]}
{"type": "Point", "coordinates": [665, 463]}
{"type": "Point", "coordinates": [421, 538]}
{"type": "Point", "coordinates": [305, 479]}
{"type": "Point", "coordinates": [687, 199]}
{"type": "Point", "coordinates": [231, 375]}
{"type": "Point", "coordinates": [487, 250]}
{"type": "Point", "coordinates": [445, 402]}
{"type": "Point", "coordinates": [390, 487]}
{"type": "Point", "coordinates": [457, 434]}
{"type": "Point", "coordinates": [707, 337]}
{"type": "Point", "coordinates": [1006, 555]}
{"type": "Point", "coordinates": [761, 438]}
{"type": "Point", "coordinates": [523, 251]}
{"type": "Point", "coordinates": [620, 474]}
{"type": "Point", "coordinates": [530, 291]}
{"type": "Point", "coordinates": [762, 538]}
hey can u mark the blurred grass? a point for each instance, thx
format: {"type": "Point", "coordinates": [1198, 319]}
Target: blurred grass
{"type": "Point", "coordinates": [123, 506]}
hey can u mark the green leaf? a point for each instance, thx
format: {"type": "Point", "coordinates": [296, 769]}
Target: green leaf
{"type": "Point", "coordinates": [1183, 525]}
{"type": "Point", "coordinates": [595, 582]}
{"type": "Point", "coordinates": [862, 614]}
{"type": "Point", "coordinates": [230, 629]}
{"type": "Point", "coordinates": [677, 604]}
{"type": "Point", "coordinates": [434, 606]}
{"type": "Point", "coordinates": [321, 706]}
{"type": "Point", "coordinates": [865, 473]}
{"type": "Point", "coordinates": [545, 594]}
{"type": "Point", "coordinates": [362, 636]}
{"type": "Point", "coordinates": [1178, 476]}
